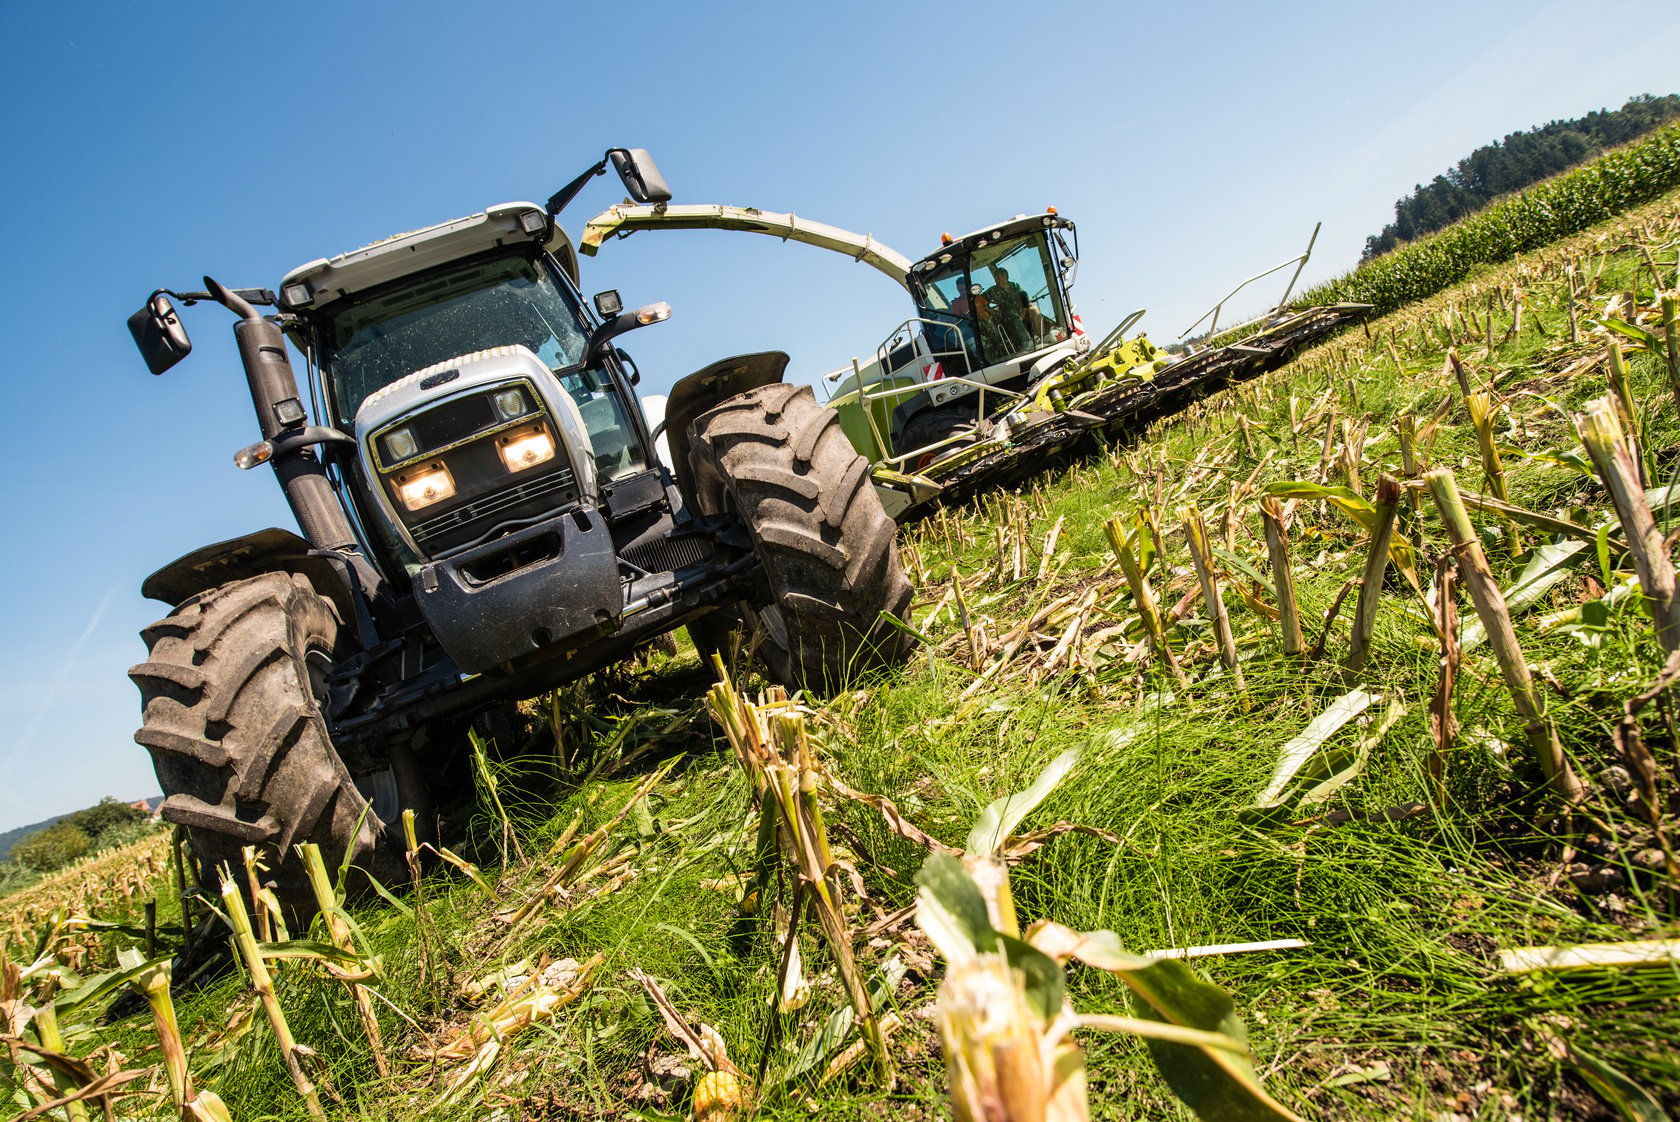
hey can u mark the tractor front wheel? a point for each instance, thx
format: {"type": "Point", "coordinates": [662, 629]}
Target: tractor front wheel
{"type": "Point", "coordinates": [231, 696]}
{"type": "Point", "coordinates": [780, 461]}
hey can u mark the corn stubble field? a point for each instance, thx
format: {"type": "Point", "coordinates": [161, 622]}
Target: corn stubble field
{"type": "Point", "coordinates": [1348, 686]}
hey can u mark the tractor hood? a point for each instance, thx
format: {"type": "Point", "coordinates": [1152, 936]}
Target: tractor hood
{"type": "Point", "coordinates": [327, 279]}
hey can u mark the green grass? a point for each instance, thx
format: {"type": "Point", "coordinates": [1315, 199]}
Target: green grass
{"type": "Point", "coordinates": [1396, 1009]}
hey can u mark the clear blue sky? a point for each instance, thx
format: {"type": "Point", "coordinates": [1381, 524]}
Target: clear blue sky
{"type": "Point", "coordinates": [1193, 144]}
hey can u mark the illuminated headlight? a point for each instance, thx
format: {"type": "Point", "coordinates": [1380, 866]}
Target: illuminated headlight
{"type": "Point", "coordinates": [400, 445]}
{"type": "Point", "coordinates": [528, 450]}
{"type": "Point", "coordinates": [431, 485]}
{"type": "Point", "coordinates": [511, 404]}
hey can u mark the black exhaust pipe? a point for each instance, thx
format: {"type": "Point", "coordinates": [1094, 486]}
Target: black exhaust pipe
{"type": "Point", "coordinates": [274, 392]}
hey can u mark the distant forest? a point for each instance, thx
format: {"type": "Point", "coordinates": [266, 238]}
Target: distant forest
{"type": "Point", "coordinates": [1510, 165]}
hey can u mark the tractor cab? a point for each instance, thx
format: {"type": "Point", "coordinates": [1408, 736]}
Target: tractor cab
{"type": "Point", "coordinates": [403, 333]}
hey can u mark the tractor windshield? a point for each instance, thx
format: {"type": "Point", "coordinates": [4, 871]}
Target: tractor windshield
{"type": "Point", "coordinates": [1002, 302]}
{"type": "Point", "coordinates": [441, 315]}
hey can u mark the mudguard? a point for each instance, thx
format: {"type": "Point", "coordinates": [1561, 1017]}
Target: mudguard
{"type": "Point", "coordinates": [266, 551]}
{"type": "Point", "coordinates": [707, 387]}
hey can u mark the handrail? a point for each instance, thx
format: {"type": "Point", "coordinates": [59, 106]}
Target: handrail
{"type": "Point", "coordinates": [1112, 339]}
{"type": "Point", "coordinates": [1299, 261]}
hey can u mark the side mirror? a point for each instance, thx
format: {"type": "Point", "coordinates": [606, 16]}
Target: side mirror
{"type": "Point", "coordinates": [608, 304]}
{"type": "Point", "coordinates": [160, 334]}
{"type": "Point", "coordinates": [640, 175]}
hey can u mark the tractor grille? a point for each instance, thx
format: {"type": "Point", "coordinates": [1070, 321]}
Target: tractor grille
{"type": "Point", "coordinates": [474, 522]}
{"type": "Point", "coordinates": [664, 555]}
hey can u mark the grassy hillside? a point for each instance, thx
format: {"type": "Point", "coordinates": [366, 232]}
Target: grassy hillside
{"type": "Point", "coordinates": [1404, 859]}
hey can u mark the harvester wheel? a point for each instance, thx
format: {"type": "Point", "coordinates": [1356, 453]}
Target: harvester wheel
{"type": "Point", "coordinates": [940, 422]}
{"type": "Point", "coordinates": [780, 461]}
{"type": "Point", "coordinates": [231, 701]}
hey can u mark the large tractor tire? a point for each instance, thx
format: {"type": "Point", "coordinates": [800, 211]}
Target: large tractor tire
{"type": "Point", "coordinates": [781, 462]}
{"type": "Point", "coordinates": [231, 700]}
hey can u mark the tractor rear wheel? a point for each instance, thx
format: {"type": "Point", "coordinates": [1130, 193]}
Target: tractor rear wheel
{"type": "Point", "coordinates": [231, 698]}
{"type": "Point", "coordinates": [781, 462]}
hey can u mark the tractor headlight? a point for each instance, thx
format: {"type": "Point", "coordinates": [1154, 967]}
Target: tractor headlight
{"type": "Point", "coordinates": [431, 484]}
{"type": "Point", "coordinates": [526, 449]}
{"type": "Point", "coordinates": [511, 404]}
{"type": "Point", "coordinates": [400, 445]}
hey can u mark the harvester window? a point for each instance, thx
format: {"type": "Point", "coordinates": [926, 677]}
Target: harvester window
{"type": "Point", "coordinates": [947, 322]}
{"type": "Point", "coordinates": [1020, 305]}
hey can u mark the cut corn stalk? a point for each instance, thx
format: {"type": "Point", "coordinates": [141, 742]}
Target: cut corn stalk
{"type": "Point", "coordinates": [488, 784]}
{"type": "Point", "coordinates": [1201, 556]}
{"type": "Point", "coordinates": [259, 906]}
{"type": "Point", "coordinates": [151, 981]}
{"type": "Point", "coordinates": [46, 1027]}
{"type": "Point", "coordinates": [245, 940]}
{"type": "Point", "coordinates": [1376, 564]}
{"type": "Point", "coordinates": [1048, 553]}
{"type": "Point", "coordinates": [1124, 550]}
{"type": "Point", "coordinates": [1327, 453]}
{"type": "Point", "coordinates": [1671, 341]}
{"type": "Point", "coordinates": [338, 931]}
{"type": "Point", "coordinates": [1622, 392]}
{"type": "Point", "coordinates": [1650, 552]}
{"type": "Point", "coordinates": [793, 785]}
{"type": "Point", "coordinates": [1481, 417]}
{"type": "Point", "coordinates": [1443, 721]}
{"type": "Point", "coordinates": [1496, 620]}
{"type": "Point", "coordinates": [774, 746]}
{"type": "Point", "coordinates": [1283, 580]}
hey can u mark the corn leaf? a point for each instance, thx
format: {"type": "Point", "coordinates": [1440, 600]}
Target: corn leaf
{"type": "Point", "coordinates": [952, 911]}
{"type": "Point", "coordinates": [1219, 1085]}
{"type": "Point", "coordinates": [1549, 565]}
{"type": "Point", "coordinates": [1214, 1075]}
{"type": "Point", "coordinates": [998, 821]}
{"type": "Point", "coordinates": [1631, 1101]}
{"type": "Point", "coordinates": [1647, 339]}
{"type": "Point", "coordinates": [1046, 989]}
{"type": "Point", "coordinates": [1293, 755]}
{"type": "Point", "coordinates": [1350, 503]}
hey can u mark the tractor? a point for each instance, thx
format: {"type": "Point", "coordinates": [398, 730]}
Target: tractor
{"type": "Point", "coordinates": [481, 518]}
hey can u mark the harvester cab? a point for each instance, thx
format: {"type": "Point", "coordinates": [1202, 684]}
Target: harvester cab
{"type": "Point", "coordinates": [992, 309]}
{"type": "Point", "coordinates": [483, 518]}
